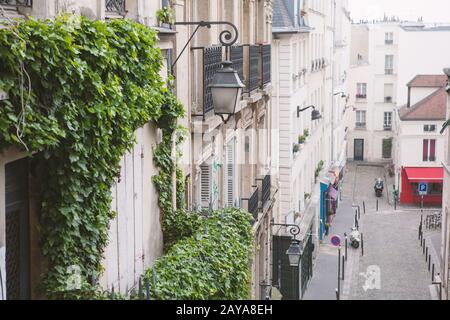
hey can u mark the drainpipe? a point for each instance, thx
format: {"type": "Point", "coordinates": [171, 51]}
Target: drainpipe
{"type": "Point", "coordinates": [332, 84]}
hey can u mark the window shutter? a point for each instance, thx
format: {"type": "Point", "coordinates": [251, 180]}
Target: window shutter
{"type": "Point", "coordinates": [205, 186]}
{"type": "Point", "coordinates": [425, 150]}
{"type": "Point", "coordinates": [230, 175]}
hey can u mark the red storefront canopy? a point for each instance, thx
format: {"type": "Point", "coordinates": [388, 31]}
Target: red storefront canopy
{"type": "Point", "coordinates": [425, 174]}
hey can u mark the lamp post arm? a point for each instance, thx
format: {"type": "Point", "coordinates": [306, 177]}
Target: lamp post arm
{"type": "Point", "coordinates": [226, 37]}
{"type": "Point", "coordinates": [304, 109]}
{"type": "Point", "coordinates": [295, 229]}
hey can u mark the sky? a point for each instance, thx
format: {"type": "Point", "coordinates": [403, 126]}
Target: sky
{"type": "Point", "coordinates": [430, 10]}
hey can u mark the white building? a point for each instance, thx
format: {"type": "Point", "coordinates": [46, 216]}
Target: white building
{"type": "Point", "coordinates": [445, 239]}
{"type": "Point", "coordinates": [307, 70]}
{"type": "Point", "coordinates": [419, 148]}
{"type": "Point", "coordinates": [385, 56]}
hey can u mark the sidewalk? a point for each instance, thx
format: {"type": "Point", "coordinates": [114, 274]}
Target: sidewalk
{"type": "Point", "coordinates": [324, 281]}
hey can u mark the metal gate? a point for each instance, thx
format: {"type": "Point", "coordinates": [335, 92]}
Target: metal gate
{"type": "Point", "coordinates": [306, 264]}
{"type": "Point", "coordinates": [17, 231]}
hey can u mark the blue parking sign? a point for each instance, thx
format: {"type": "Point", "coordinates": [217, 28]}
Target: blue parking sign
{"type": "Point", "coordinates": [423, 188]}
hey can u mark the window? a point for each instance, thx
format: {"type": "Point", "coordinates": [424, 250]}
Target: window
{"type": "Point", "coordinates": [387, 148]}
{"type": "Point", "coordinates": [361, 90]}
{"type": "Point", "coordinates": [387, 124]}
{"type": "Point", "coordinates": [388, 92]}
{"type": "Point", "coordinates": [360, 119]}
{"type": "Point", "coordinates": [429, 128]}
{"type": "Point", "coordinates": [389, 38]}
{"type": "Point", "coordinates": [231, 175]}
{"type": "Point", "coordinates": [205, 186]}
{"type": "Point", "coordinates": [389, 64]}
{"type": "Point", "coordinates": [429, 150]}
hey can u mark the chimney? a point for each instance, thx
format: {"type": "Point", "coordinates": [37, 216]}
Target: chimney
{"type": "Point", "coordinates": [409, 97]}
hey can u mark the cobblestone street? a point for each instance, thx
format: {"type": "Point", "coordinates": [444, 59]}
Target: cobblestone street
{"type": "Point", "coordinates": [390, 244]}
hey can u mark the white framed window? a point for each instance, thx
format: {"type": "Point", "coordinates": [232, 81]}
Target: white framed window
{"type": "Point", "coordinates": [361, 90]}
{"type": "Point", "coordinates": [388, 92]}
{"type": "Point", "coordinates": [389, 64]}
{"type": "Point", "coordinates": [429, 128]}
{"type": "Point", "coordinates": [389, 38]}
{"type": "Point", "coordinates": [361, 119]}
{"type": "Point", "coordinates": [387, 123]}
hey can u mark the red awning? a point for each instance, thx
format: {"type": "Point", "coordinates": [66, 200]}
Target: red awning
{"type": "Point", "coordinates": [425, 174]}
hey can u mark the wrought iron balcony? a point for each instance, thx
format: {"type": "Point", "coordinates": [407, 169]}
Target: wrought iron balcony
{"type": "Point", "coordinates": [360, 125]}
{"type": "Point", "coordinates": [254, 70]}
{"type": "Point", "coordinates": [212, 61]}
{"type": "Point", "coordinates": [16, 3]}
{"type": "Point", "coordinates": [266, 57]}
{"type": "Point", "coordinates": [252, 63]}
{"type": "Point", "coordinates": [361, 96]}
{"type": "Point", "coordinates": [237, 57]}
{"type": "Point", "coordinates": [253, 204]}
{"type": "Point", "coordinates": [115, 6]}
{"type": "Point", "coordinates": [265, 190]}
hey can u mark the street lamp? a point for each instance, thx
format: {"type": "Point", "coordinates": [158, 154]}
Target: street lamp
{"type": "Point", "coordinates": [343, 95]}
{"type": "Point", "coordinates": [315, 114]}
{"type": "Point", "coordinates": [226, 89]}
{"type": "Point", "coordinates": [294, 252]}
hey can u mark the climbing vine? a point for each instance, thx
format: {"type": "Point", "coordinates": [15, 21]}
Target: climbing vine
{"type": "Point", "coordinates": [212, 264]}
{"type": "Point", "coordinates": [78, 89]}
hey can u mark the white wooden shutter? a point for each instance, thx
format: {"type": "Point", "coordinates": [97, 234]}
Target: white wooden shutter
{"type": "Point", "coordinates": [230, 174]}
{"type": "Point", "coordinates": [205, 186]}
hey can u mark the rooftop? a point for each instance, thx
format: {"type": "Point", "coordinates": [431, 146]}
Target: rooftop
{"type": "Point", "coordinates": [428, 81]}
{"type": "Point", "coordinates": [432, 107]}
{"type": "Point", "coordinates": [283, 19]}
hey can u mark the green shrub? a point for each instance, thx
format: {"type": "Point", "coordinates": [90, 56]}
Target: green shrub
{"type": "Point", "coordinates": [212, 264]}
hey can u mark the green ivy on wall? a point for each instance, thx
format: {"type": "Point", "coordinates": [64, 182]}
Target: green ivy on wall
{"type": "Point", "coordinates": [78, 89]}
{"type": "Point", "coordinates": [212, 264]}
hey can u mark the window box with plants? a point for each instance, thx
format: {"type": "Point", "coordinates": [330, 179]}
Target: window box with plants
{"type": "Point", "coordinates": [166, 17]}
{"type": "Point", "coordinates": [296, 148]}
{"type": "Point", "coordinates": [318, 170]}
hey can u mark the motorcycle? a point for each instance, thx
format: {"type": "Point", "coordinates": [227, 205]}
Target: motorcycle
{"type": "Point", "coordinates": [379, 186]}
{"type": "Point", "coordinates": [355, 238]}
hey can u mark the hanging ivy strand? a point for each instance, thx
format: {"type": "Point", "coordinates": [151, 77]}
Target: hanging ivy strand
{"type": "Point", "coordinates": [78, 89]}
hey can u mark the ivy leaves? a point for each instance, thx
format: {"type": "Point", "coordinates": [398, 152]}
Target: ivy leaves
{"type": "Point", "coordinates": [212, 264]}
{"type": "Point", "coordinates": [78, 89]}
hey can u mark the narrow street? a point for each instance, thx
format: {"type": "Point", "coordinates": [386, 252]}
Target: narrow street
{"type": "Point", "coordinates": [390, 245]}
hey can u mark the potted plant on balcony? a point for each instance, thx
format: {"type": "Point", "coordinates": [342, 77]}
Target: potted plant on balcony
{"type": "Point", "coordinates": [306, 133]}
{"type": "Point", "coordinates": [165, 16]}
{"type": "Point", "coordinates": [307, 196]}
{"type": "Point", "coordinates": [296, 148]}
{"type": "Point", "coordinates": [301, 139]}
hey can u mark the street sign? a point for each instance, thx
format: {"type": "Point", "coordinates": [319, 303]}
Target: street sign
{"type": "Point", "coordinates": [336, 241]}
{"type": "Point", "coordinates": [423, 188]}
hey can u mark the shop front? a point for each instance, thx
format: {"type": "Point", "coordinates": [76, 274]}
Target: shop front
{"type": "Point", "coordinates": [412, 177]}
{"type": "Point", "coordinates": [329, 199]}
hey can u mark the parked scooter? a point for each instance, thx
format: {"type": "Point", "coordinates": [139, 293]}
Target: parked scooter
{"type": "Point", "coordinates": [355, 238]}
{"type": "Point", "coordinates": [379, 186]}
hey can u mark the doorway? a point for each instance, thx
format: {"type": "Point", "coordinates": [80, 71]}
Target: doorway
{"type": "Point", "coordinates": [17, 231]}
{"type": "Point", "coordinates": [358, 154]}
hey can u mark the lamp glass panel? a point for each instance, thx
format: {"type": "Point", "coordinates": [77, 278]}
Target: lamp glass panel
{"type": "Point", "coordinates": [225, 99]}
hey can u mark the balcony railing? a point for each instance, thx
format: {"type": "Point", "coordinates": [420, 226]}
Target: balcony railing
{"type": "Point", "coordinates": [388, 71]}
{"type": "Point", "coordinates": [361, 96]}
{"type": "Point", "coordinates": [360, 125]}
{"type": "Point", "coordinates": [387, 127]}
{"type": "Point", "coordinates": [254, 68]}
{"type": "Point", "coordinates": [265, 190]}
{"type": "Point", "coordinates": [266, 57]}
{"type": "Point", "coordinates": [253, 204]}
{"type": "Point", "coordinates": [16, 3]}
{"type": "Point", "coordinates": [388, 42]}
{"type": "Point", "coordinates": [212, 61]}
{"type": "Point", "coordinates": [252, 63]}
{"type": "Point", "coordinates": [237, 57]}
{"type": "Point", "coordinates": [115, 6]}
